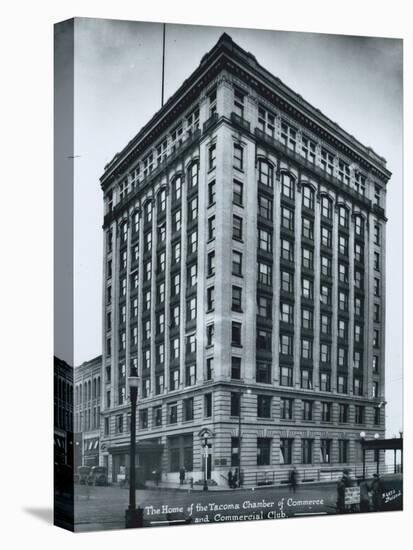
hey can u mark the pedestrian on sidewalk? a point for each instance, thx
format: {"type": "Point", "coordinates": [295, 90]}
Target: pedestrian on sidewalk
{"type": "Point", "coordinates": [292, 478]}
{"type": "Point", "coordinates": [235, 479]}
{"type": "Point", "coordinates": [342, 485]}
{"type": "Point", "coordinates": [230, 479]}
{"type": "Point", "coordinates": [377, 493]}
{"type": "Point", "coordinates": [182, 475]}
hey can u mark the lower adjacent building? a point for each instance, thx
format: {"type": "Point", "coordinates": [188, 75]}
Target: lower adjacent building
{"type": "Point", "coordinates": [87, 391]}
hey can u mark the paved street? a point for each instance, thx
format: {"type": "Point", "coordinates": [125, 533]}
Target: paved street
{"type": "Point", "coordinates": [104, 507]}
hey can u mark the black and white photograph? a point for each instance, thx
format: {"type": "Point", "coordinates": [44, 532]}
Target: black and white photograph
{"type": "Point", "coordinates": [235, 215]}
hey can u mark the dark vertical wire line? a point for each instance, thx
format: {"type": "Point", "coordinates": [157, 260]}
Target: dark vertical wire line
{"type": "Point", "coordinates": [163, 65]}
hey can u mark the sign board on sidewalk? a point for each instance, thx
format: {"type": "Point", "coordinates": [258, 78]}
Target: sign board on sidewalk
{"type": "Point", "coordinates": [352, 496]}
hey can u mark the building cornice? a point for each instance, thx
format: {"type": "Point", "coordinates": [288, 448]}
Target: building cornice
{"type": "Point", "coordinates": [226, 55]}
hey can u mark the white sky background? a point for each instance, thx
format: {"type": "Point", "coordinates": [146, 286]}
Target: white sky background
{"type": "Point", "coordinates": [357, 82]}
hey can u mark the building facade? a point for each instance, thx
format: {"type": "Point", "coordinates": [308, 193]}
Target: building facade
{"type": "Point", "coordinates": [88, 391]}
{"type": "Point", "coordinates": [244, 281]}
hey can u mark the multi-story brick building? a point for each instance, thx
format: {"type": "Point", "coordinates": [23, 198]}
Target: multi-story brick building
{"type": "Point", "coordinates": [88, 391]}
{"type": "Point", "coordinates": [244, 280]}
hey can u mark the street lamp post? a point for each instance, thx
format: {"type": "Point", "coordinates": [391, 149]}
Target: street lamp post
{"type": "Point", "coordinates": [205, 488]}
{"type": "Point", "coordinates": [239, 435]}
{"type": "Point", "coordinates": [133, 515]}
{"type": "Point", "coordinates": [377, 451]}
{"type": "Point", "coordinates": [362, 440]}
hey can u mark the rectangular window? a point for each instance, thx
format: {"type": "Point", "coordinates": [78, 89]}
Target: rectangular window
{"type": "Point", "coordinates": [159, 384]}
{"type": "Point", "coordinates": [212, 152]}
{"type": "Point", "coordinates": [286, 376]}
{"type": "Point", "coordinates": [188, 409]}
{"type": "Point", "coordinates": [264, 340]}
{"type": "Point", "coordinates": [239, 103]}
{"type": "Point", "coordinates": [157, 416]}
{"type": "Point", "coordinates": [287, 281]}
{"type": "Point", "coordinates": [264, 240]}
{"type": "Point", "coordinates": [286, 408]}
{"type": "Point", "coordinates": [211, 192]}
{"type": "Point", "coordinates": [343, 413]}
{"type": "Point", "coordinates": [263, 372]}
{"type": "Point", "coordinates": [236, 298]}
{"type": "Point", "coordinates": [307, 410]}
{"type": "Point", "coordinates": [176, 221]}
{"type": "Point", "coordinates": [263, 406]}
{"type": "Point", "coordinates": [265, 207]}
{"type": "Point", "coordinates": [236, 334]}
{"type": "Point", "coordinates": [326, 411]}
{"type": "Point", "coordinates": [307, 228]}
{"type": "Point", "coordinates": [359, 414]}
{"type": "Point", "coordinates": [326, 236]}
{"type": "Point", "coordinates": [287, 250]}
{"type": "Point", "coordinates": [172, 413]}
{"type": "Point", "coordinates": [236, 263]}
{"type": "Point", "coordinates": [325, 353]}
{"type": "Point", "coordinates": [286, 313]}
{"type": "Point", "coordinates": [306, 379]}
{"type": "Point", "coordinates": [325, 295]}
{"type": "Point", "coordinates": [265, 273]}
{"type": "Point", "coordinates": [264, 307]}
{"type": "Point", "coordinates": [191, 309]}
{"type": "Point", "coordinates": [263, 451]}
{"type": "Point", "coordinates": [286, 450]}
{"type": "Point", "coordinates": [237, 228]}
{"type": "Point", "coordinates": [325, 381]}
{"type": "Point", "coordinates": [238, 157]}
{"type": "Point", "coordinates": [190, 375]}
{"type": "Point", "coordinates": [235, 403]}
{"type": "Point", "coordinates": [237, 192]}
{"type": "Point", "coordinates": [236, 368]}
{"type": "Point", "coordinates": [211, 264]}
{"type": "Point", "coordinates": [307, 288]}
{"type": "Point", "coordinates": [307, 258]}
{"type": "Point", "coordinates": [325, 451]}
{"type": "Point", "coordinates": [286, 344]}
{"type": "Point", "coordinates": [210, 298]}
{"type": "Point", "coordinates": [209, 368]}
{"type": "Point", "coordinates": [208, 405]}
{"type": "Point", "coordinates": [211, 228]}
{"type": "Point", "coordinates": [193, 209]}
{"type": "Point", "coordinates": [307, 451]}
{"type": "Point", "coordinates": [287, 218]}
{"type": "Point", "coordinates": [192, 242]}
{"type": "Point", "coordinates": [174, 379]}
{"type": "Point", "coordinates": [210, 334]}
{"type": "Point", "coordinates": [343, 454]}
{"type": "Point", "coordinates": [341, 383]}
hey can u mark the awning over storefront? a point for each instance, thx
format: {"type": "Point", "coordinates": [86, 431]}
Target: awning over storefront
{"type": "Point", "coordinates": [146, 446]}
{"type": "Point", "coordinates": [393, 444]}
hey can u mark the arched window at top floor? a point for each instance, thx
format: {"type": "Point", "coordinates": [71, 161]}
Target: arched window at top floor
{"type": "Point", "coordinates": [343, 216]}
{"type": "Point", "coordinates": [326, 207]}
{"type": "Point", "coordinates": [161, 201]}
{"type": "Point", "coordinates": [177, 188]}
{"type": "Point", "coordinates": [308, 197]}
{"type": "Point", "coordinates": [287, 185]}
{"type": "Point", "coordinates": [359, 225]}
{"type": "Point", "coordinates": [193, 175]}
{"type": "Point", "coordinates": [147, 211]}
{"type": "Point", "coordinates": [265, 173]}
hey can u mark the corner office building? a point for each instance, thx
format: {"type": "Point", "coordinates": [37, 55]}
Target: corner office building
{"type": "Point", "coordinates": [244, 278]}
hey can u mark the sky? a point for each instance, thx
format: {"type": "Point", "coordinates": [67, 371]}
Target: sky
{"type": "Point", "coordinates": [355, 81]}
